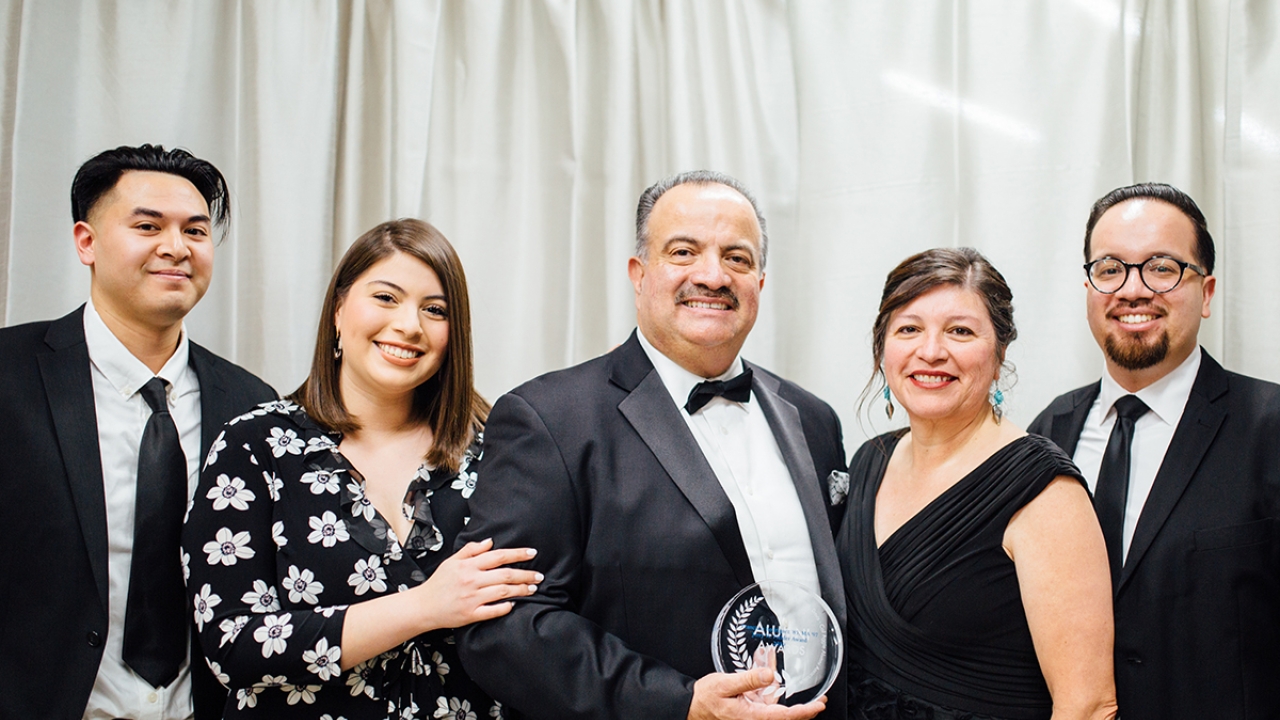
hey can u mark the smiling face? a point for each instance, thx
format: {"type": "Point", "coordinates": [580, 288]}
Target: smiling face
{"type": "Point", "coordinates": [149, 245]}
{"type": "Point", "coordinates": [940, 355]}
{"type": "Point", "coordinates": [1145, 335]}
{"type": "Point", "coordinates": [394, 327]}
{"type": "Point", "coordinates": [698, 288]}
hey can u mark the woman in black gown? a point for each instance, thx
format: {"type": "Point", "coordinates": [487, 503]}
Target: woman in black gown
{"type": "Point", "coordinates": [975, 569]}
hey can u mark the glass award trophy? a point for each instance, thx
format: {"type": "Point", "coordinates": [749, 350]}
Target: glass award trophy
{"type": "Point", "coordinates": [786, 628]}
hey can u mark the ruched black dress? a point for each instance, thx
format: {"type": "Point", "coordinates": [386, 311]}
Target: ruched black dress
{"type": "Point", "coordinates": [936, 624]}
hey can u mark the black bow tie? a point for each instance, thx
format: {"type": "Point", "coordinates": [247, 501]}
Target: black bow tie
{"type": "Point", "coordinates": [737, 389]}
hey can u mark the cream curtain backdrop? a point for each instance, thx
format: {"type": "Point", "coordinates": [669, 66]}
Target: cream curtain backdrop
{"type": "Point", "coordinates": [526, 130]}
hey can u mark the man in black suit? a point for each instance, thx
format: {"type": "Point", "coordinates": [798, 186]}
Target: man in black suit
{"type": "Point", "coordinates": [100, 455]}
{"type": "Point", "coordinates": [1193, 528]}
{"type": "Point", "coordinates": [649, 512]}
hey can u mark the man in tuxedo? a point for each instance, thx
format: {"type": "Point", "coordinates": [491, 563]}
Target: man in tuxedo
{"type": "Point", "coordinates": [1183, 458]}
{"type": "Point", "coordinates": [650, 498]}
{"type": "Point", "coordinates": [105, 415]}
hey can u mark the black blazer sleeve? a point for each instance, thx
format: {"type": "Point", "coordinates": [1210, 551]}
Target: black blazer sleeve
{"type": "Point", "coordinates": [526, 498]}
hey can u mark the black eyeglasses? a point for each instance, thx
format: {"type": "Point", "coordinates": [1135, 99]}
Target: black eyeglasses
{"type": "Point", "coordinates": [1160, 273]}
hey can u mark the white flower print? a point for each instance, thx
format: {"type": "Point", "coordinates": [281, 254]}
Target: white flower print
{"type": "Point", "coordinates": [231, 628]}
{"type": "Point", "coordinates": [218, 446]}
{"type": "Point", "coordinates": [230, 492]}
{"type": "Point", "coordinates": [279, 407]}
{"type": "Point", "coordinates": [327, 530]}
{"type": "Point", "coordinates": [496, 710]}
{"type": "Point", "coordinates": [407, 713]}
{"type": "Point", "coordinates": [284, 441]}
{"type": "Point", "coordinates": [358, 678]}
{"type": "Point", "coordinates": [227, 547]}
{"type": "Point", "coordinates": [273, 485]}
{"type": "Point", "coordinates": [272, 681]}
{"type": "Point", "coordinates": [369, 575]}
{"type": "Point", "coordinates": [318, 443]}
{"type": "Point", "coordinates": [262, 597]}
{"type": "Point", "coordinates": [204, 602]}
{"type": "Point", "coordinates": [302, 586]}
{"type": "Point", "coordinates": [360, 504]}
{"type": "Point", "coordinates": [466, 482]}
{"type": "Point", "coordinates": [273, 633]}
{"type": "Point", "coordinates": [247, 697]}
{"type": "Point", "coordinates": [323, 481]}
{"type": "Point", "coordinates": [454, 709]}
{"type": "Point", "coordinates": [329, 611]}
{"type": "Point", "coordinates": [218, 675]}
{"type": "Point", "coordinates": [442, 667]}
{"type": "Point", "coordinates": [323, 661]}
{"type": "Point", "coordinates": [185, 558]}
{"type": "Point", "coordinates": [277, 534]}
{"type": "Point", "coordinates": [303, 693]}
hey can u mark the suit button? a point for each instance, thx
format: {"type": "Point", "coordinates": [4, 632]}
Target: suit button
{"type": "Point", "coordinates": [94, 638]}
{"type": "Point", "coordinates": [1134, 660]}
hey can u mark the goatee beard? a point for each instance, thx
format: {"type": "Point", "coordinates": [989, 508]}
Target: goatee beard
{"type": "Point", "coordinates": [1131, 353]}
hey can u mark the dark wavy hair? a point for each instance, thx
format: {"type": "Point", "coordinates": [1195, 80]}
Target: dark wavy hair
{"type": "Point", "coordinates": [448, 401]}
{"type": "Point", "coordinates": [100, 173]}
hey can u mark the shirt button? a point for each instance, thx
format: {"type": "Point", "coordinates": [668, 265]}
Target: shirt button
{"type": "Point", "coordinates": [152, 698]}
{"type": "Point", "coordinates": [768, 554]}
{"type": "Point", "coordinates": [94, 638]}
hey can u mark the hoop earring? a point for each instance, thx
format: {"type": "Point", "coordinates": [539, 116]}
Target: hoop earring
{"type": "Point", "coordinates": [888, 408]}
{"type": "Point", "coordinates": [337, 348]}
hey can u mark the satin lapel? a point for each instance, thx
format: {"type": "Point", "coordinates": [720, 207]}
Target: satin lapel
{"type": "Point", "coordinates": [784, 420]}
{"type": "Point", "coordinates": [214, 412]}
{"type": "Point", "coordinates": [1195, 432]}
{"type": "Point", "coordinates": [1068, 425]}
{"type": "Point", "coordinates": [68, 387]}
{"type": "Point", "coordinates": [657, 420]}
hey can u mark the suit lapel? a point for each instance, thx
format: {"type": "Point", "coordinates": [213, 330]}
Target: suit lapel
{"type": "Point", "coordinates": [1195, 432]}
{"type": "Point", "coordinates": [1068, 424]}
{"type": "Point", "coordinates": [68, 387]}
{"type": "Point", "coordinates": [784, 420]}
{"type": "Point", "coordinates": [656, 419]}
{"type": "Point", "coordinates": [214, 412]}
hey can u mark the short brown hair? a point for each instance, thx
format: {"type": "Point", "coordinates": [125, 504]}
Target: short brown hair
{"type": "Point", "coordinates": [922, 272]}
{"type": "Point", "coordinates": [448, 401]}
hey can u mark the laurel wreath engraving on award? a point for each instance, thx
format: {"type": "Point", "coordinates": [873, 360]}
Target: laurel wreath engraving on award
{"type": "Point", "coordinates": [738, 633]}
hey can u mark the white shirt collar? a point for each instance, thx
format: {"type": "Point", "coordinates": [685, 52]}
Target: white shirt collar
{"type": "Point", "coordinates": [678, 381]}
{"type": "Point", "coordinates": [126, 373]}
{"type": "Point", "coordinates": [1166, 397]}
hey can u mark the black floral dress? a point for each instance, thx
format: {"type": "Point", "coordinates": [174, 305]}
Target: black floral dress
{"type": "Point", "coordinates": [280, 538]}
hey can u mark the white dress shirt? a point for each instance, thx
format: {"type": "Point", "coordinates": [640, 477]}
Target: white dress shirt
{"type": "Point", "coordinates": [1167, 398]}
{"type": "Point", "coordinates": [122, 414]}
{"type": "Point", "coordinates": [740, 448]}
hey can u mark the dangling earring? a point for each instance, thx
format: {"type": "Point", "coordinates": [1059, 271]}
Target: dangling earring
{"type": "Point", "coordinates": [337, 347]}
{"type": "Point", "coordinates": [888, 409]}
{"type": "Point", "coordinates": [997, 403]}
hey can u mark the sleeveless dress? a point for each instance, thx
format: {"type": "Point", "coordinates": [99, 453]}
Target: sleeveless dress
{"type": "Point", "coordinates": [936, 624]}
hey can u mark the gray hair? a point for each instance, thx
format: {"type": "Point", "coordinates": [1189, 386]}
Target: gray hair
{"type": "Point", "coordinates": [694, 177]}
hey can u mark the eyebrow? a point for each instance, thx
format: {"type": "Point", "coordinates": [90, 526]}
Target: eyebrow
{"type": "Point", "coordinates": [148, 212]}
{"type": "Point", "coordinates": [949, 318]}
{"type": "Point", "coordinates": [737, 245]}
{"type": "Point", "coordinates": [402, 291]}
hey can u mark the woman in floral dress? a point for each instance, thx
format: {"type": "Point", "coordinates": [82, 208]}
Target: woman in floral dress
{"type": "Point", "coordinates": [319, 545]}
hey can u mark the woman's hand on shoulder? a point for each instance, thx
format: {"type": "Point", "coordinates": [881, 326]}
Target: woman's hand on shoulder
{"type": "Point", "coordinates": [475, 584]}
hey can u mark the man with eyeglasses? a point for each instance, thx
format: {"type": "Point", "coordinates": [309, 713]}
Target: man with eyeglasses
{"type": "Point", "coordinates": [1183, 458]}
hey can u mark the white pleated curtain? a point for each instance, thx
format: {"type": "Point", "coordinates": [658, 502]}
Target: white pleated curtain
{"type": "Point", "coordinates": [526, 129]}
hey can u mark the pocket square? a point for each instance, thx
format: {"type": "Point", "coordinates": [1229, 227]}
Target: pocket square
{"type": "Point", "coordinates": [838, 486]}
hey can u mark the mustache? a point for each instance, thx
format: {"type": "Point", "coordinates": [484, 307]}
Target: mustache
{"type": "Point", "coordinates": [703, 292]}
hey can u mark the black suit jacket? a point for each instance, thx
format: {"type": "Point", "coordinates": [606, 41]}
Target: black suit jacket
{"type": "Point", "coordinates": [595, 468]}
{"type": "Point", "coordinates": [53, 570]}
{"type": "Point", "coordinates": [1198, 601]}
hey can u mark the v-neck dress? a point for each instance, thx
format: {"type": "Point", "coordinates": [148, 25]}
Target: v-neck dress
{"type": "Point", "coordinates": [280, 539]}
{"type": "Point", "coordinates": [936, 624]}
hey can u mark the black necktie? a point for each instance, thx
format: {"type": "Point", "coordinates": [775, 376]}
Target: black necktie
{"type": "Point", "coordinates": [737, 389]}
{"type": "Point", "coordinates": [155, 628]}
{"type": "Point", "coordinates": [1112, 492]}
